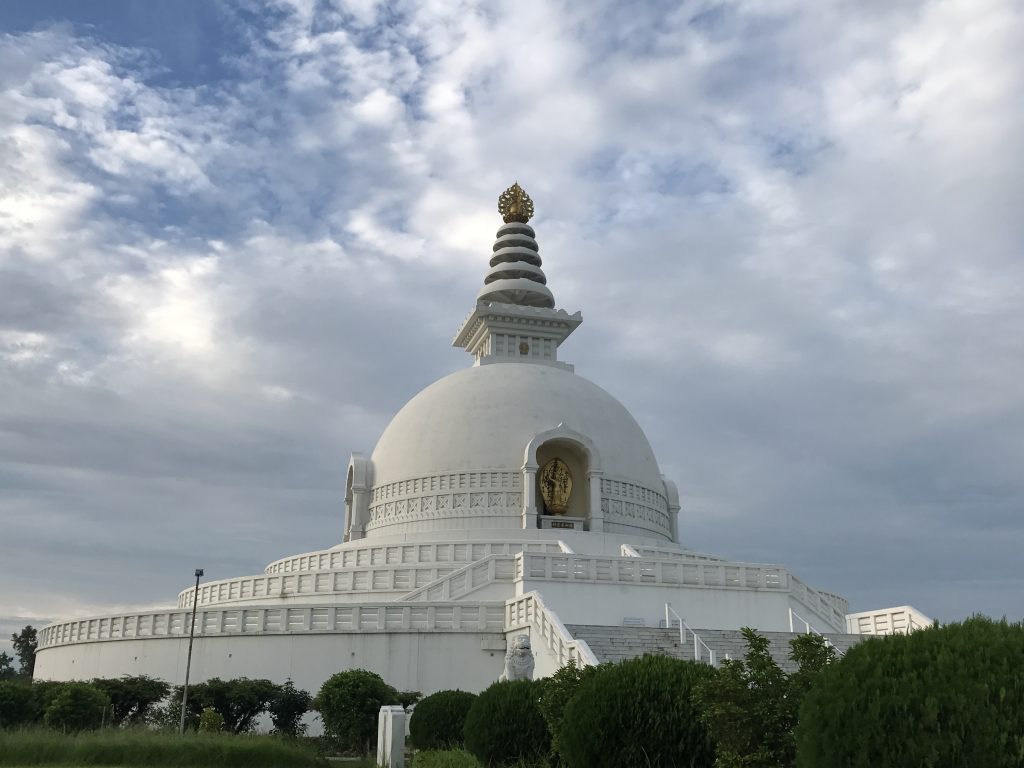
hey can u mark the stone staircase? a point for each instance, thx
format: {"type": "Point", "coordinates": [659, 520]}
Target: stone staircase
{"type": "Point", "coordinates": [611, 644]}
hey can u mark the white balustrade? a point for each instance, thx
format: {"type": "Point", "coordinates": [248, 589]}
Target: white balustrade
{"type": "Point", "coordinates": [642, 570]}
{"type": "Point", "coordinates": [362, 556]}
{"type": "Point", "coordinates": [312, 583]}
{"type": "Point", "coordinates": [529, 612]}
{"type": "Point", "coordinates": [364, 617]}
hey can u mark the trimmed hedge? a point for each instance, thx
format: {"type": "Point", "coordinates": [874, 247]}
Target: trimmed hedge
{"type": "Point", "coordinates": [940, 698]}
{"type": "Point", "coordinates": [637, 713]}
{"type": "Point", "coordinates": [438, 720]}
{"type": "Point", "coordinates": [505, 726]}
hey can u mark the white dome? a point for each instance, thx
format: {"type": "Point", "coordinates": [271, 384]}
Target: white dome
{"type": "Point", "coordinates": [471, 429]}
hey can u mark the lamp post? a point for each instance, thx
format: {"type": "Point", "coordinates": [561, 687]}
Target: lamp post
{"type": "Point", "coordinates": [188, 663]}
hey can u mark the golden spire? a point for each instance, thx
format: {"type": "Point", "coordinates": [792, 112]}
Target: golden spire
{"type": "Point", "coordinates": [515, 205]}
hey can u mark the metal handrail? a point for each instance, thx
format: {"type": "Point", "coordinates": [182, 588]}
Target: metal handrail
{"type": "Point", "coordinates": [683, 628]}
{"type": "Point", "coordinates": [811, 631]}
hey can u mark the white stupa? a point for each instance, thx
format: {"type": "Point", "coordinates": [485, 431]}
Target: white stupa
{"type": "Point", "coordinates": [513, 497]}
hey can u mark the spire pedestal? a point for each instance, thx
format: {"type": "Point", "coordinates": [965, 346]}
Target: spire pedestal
{"type": "Point", "coordinates": [515, 320]}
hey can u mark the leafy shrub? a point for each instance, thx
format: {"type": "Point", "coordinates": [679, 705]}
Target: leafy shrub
{"type": "Point", "coordinates": [210, 721]}
{"type": "Point", "coordinates": [77, 707]}
{"type": "Point", "coordinates": [558, 691]}
{"type": "Point", "coordinates": [287, 708]}
{"type": "Point", "coordinates": [505, 724]}
{"type": "Point", "coordinates": [637, 713]}
{"type": "Point", "coordinates": [750, 707]}
{"type": "Point", "coordinates": [438, 720]}
{"type": "Point", "coordinates": [348, 703]}
{"type": "Point", "coordinates": [16, 705]}
{"type": "Point", "coordinates": [444, 759]}
{"type": "Point", "coordinates": [942, 698]}
{"type": "Point", "coordinates": [132, 699]}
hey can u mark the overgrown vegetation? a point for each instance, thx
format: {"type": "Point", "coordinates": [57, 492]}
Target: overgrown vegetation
{"type": "Point", "coordinates": [141, 747]}
{"type": "Point", "coordinates": [943, 698]}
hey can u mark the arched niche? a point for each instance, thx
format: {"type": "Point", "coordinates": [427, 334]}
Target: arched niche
{"type": "Point", "coordinates": [357, 502]}
{"type": "Point", "coordinates": [576, 458]}
{"type": "Point", "coordinates": [584, 462]}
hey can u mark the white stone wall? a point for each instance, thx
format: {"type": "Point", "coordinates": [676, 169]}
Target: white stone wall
{"type": "Point", "coordinates": [421, 661]}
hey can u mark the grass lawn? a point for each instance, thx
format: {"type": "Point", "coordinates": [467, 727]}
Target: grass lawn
{"type": "Point", "coordinates": [144, 748]}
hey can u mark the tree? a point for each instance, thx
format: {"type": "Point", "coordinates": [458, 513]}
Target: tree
{"type": "Point", "coordinates": [7, 670]}
{"type": "Point", "coordinates": [750, 708]}
{"type": "Point", "coordinates": [348, 703]}
{"type": "Point", "coordinates": [287, 708]}
{"type": "Point", "coordinates": [239, 701]}
{"type": "Point", "coordinates": [25, 644]}
{"type": "Point", "coordinates": [77, 707]}
{"type": "Point", "coordinates": [132, 699]}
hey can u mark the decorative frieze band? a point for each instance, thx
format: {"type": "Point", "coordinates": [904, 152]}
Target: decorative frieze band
{"type": "Point", "coordinates": [456, 481]}
{"type": "Point", "coordinates": [633, 504]}
{"type": "Point", "coordinates": [463, 493]}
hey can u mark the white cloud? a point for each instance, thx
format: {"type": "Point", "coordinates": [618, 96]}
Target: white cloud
{"type": "Point", "coordinates": [793, 233]}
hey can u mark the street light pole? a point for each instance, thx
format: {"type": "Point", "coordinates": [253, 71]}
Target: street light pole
{"type": "Point", "coordinates": [188, 663]}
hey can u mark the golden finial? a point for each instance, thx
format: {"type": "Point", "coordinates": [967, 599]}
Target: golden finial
{"type": "Point", "coordinates": [515, 205]}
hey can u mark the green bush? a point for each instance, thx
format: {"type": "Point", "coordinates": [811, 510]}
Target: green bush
{"type": "Point", "coordinates": [348, 703]}
{"type": "Point", "coordinates": [438, 720]}
{"type": "Point", "coordinates": [637, 713]}
{"type": "Point", "coordinates": [558, 691]}
{"type": "Point", "coordinates": [140, 747]}
{"type": "Point", "coordinates": [505, 724]}
{"type": "Point", "coordinates": [444, 759]}
{"type": "Point", "coordinates": [16, 705]}
{"type": "Point", "coordinates": [77, 707]}
{"type": "Point", "coordinates": [942, 698]}
{"type": "Point", "coordinates": [210, 721]}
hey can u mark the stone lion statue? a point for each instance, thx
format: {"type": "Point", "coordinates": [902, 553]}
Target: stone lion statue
{"type": "Point", "coordinates": [518, 660]}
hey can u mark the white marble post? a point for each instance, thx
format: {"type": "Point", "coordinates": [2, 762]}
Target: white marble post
{"type": "Point", "coordinates": [391, 737]}
{"type": "Point", "coordinates": [530, 495]}
{"type": "Point", "coordinates": [596, 513]}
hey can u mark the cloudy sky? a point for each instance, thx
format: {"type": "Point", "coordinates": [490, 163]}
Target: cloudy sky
{"type": "Point", "coordinates": [236, 237]}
